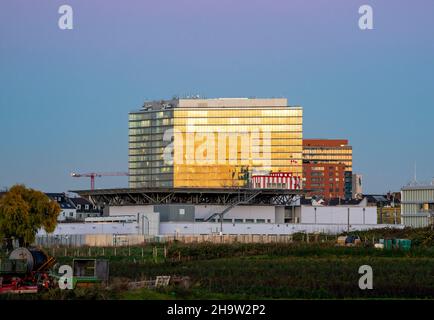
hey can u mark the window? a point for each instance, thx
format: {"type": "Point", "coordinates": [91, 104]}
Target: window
{"type": "Point", "coordinates": [182, 212]}
{"type": "Point", "coordinates": [71, 214]}
{"type": "Point", "coordinates": [86, 207]}
{"type": "Point", "coordinates": [79, 206]}
{"type": "Point", "coordinates": [260, 220]}
{"type": "Point", "coordinates": [249, 220]}
{"type": "Point", "coordinates": [238, 220]}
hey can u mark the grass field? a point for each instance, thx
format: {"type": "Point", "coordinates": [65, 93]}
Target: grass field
{"type": "Point", "coordinates": [267, 271]}
{"type": "Point", "coordinates": [263, 271]}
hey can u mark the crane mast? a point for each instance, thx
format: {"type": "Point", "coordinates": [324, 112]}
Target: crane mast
{"type": "Point", "coordinates": [93, 175]}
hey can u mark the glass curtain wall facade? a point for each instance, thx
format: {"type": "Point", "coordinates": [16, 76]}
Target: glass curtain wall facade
{"type": "Point", "coordinates": [214, 143]}
{"type": "Point", "coordinates": [146, 146]}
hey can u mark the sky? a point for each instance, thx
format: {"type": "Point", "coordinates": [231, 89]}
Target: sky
{"type": "Point", "coordinates": [65, 94]}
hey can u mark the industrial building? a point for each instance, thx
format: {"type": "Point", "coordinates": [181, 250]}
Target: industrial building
{"type": "Point", "coordinates": [417, 205]}
{"type": "Point", "coordinates": [213, 143]}
{"type": "Point", "coordinates": [327, 168]}
{"type": "Point", "coordinates": [193, 211]}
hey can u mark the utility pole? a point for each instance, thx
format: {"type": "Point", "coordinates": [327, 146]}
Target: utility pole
{"type": "Point", "coordinates": [221, 224]}
{"type": "Point", "coordinates": [315, 215]}
{"type": "Point", "coordinates": [381, 212]}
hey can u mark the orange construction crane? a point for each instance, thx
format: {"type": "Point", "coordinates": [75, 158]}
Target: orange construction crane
{"type": "Point", "coordinates": [92, 176]}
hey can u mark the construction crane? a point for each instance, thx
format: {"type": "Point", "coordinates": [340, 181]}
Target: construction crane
{"type": "Point", "coordinates": [92, 176]}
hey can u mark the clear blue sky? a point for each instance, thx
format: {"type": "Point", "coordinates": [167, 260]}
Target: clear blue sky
{"type": "Point", "coordinates": [65, 94]}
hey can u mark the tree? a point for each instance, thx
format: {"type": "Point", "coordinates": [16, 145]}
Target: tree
{"type": "Point", "coordinates": [23, 212]}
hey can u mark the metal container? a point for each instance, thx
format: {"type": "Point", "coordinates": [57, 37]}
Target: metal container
{"type": "Point", "coordinates": [35, 258]}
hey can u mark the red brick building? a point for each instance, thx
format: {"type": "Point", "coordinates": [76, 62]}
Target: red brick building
{"type": "Point", "coordinates": [326, 180]}
{"type": "Point", "coordinates": [327, 168]}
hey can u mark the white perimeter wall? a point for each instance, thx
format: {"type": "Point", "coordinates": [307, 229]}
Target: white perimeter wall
{"type": "Point", "coordinates": [339, 214]}
{"type": "Point", "coordinates": [171, 228]}
{"type": "Point", "coordinates": [94, 228]}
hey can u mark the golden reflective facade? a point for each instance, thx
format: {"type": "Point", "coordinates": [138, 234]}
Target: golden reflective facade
{"type": "Point", "coordinates": [214, 143]}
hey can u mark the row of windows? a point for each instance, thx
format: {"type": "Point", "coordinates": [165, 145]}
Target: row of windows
{"type": "Point", "coordinates": [273, 150]}
{"type": "Point", "coordinates": [150, 115]}
{"type": "Point", "coordinates": [159, 157]}
{"type": "Point", "coordinates": [143, 178]}
{"type": "Point", "coordinates": [212, 162]}
{"type": "Point", "coordinates": [238, 112]}
{"type": "Point", "coordinates": [283, 146]}
{"type": "Point", "coordinates": [323, 179]}
{"type": "Point", "coordinates": [146, 137]}
{"type": "Point", "coordinates": [242, 128]}
{"type": "Point", "coordinates": [328, 151]}
{"type": "Point", "coordinates": [208, 168]}
{"type": "Point", "coordinates": [205, 141]}
{"type": "Point", "coordinates": [311, 157]}
{"type": "Point", "coordinates": [238, 121]}
{"type": "Point", "coordinates": [148, 123]}
{"type": "Point", "coordinates": [275, 135]}
{"type": "Point", "coordinates": [150, 170]}
{"type": "Point", "coordinates": [217, 113]}
{"type": "Point", "coordinates": [153, 144]}
{"type": "Point", "coordinates": [148, 164]}
{"type": "Point", "coordinates": [142, 151]}
{"type": "Point", "coordinates": [149, 130]}
{"type": "Point", "coordinates": [320, 174]}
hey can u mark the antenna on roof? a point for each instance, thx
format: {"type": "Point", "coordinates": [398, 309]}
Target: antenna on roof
{"type": "Point", "coordinates": [414, 182]}
{"type": "Point", "coordinates": [415, 172]}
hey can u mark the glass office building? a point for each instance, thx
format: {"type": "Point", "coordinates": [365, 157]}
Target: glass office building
{"type": "Point", "coordinates": [214, 143]}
